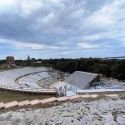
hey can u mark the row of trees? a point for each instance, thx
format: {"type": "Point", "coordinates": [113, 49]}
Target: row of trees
{"type": "Point", "coordinates": [109, 68]}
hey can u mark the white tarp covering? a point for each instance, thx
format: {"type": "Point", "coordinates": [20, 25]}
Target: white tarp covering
{"type": "Point", "coordinates": [80, 79]}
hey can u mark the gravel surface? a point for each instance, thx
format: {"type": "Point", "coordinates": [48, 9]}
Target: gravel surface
{"type": "Point", "coordinates": [107, 111]}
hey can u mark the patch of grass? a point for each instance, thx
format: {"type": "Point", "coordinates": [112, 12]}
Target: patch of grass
{"type": "Point", "coordinates": [5, 68]}
{"type": "Point", "coordinates": [9, 68]}
{"type": "Point", "coordinates": [7, 96]}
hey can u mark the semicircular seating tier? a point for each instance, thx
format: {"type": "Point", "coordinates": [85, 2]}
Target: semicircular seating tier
{"type": "Point", "coordinates": [22, 78]}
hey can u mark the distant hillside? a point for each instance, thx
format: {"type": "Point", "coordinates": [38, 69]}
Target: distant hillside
{"type": "Point", "coordinates": [119, 57]}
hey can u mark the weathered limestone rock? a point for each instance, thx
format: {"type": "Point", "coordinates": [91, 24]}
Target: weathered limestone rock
{"type": "Point", "coordinates": [111, 95]}
{"type": "Point", "coordinates": [44, 101]}
{"type": "Point", "coordinates": [65, 98]}
{"type": "Point", "coordinates": [11, 104]}
{"type": "Point", "coordinates": [75, 97]}
{"type": "Point", "coordinates": [1, 105]}
{"type": "Point", "coordinates": [35, 102]}
{"type": "Point", "coordinates": [24, 103]}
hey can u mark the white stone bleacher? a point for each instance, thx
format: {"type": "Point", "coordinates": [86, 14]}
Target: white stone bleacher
{"type": "Point", "coordinates": [8, 79]}
{"type": "Point", "coordinates": [31, 80]}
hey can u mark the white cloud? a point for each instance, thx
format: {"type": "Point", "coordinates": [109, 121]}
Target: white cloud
{"type": "Point", "coordinates": [7, 5]}
{"type": "Point", "coordinates": [34, 46]}
{"type": "Point", "coordinates": [85, 45]}
{"type": "Point", "coordinates": [22, 7]}
{"type": "Point", "coordinates": [102, 18]}
{"type": "Point", "coordinates": [29, 46]}
{"type": "Point", "coordinates": [62, 25]}
{"type": "Point", "coordinates": [29, 6]}
{"type": "Point", "coordinates": [107, 16]}
{"type": "Point", "coordinates": [47, 19]}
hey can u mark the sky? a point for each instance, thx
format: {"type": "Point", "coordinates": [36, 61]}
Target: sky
{"type": "Point", "coordinates": [62, 28]}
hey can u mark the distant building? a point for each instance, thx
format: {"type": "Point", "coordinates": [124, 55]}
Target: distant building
{"type": "Point", "coordinates": [28, 61]}
{"type": "Point", "coordinates": [10, 61]}
{"type": "Point", "coordinates": [82, 80]}
{"type": "Point", "coordinates": [28, 58]}
{"type": "Point", "coordinates": [38, 62]}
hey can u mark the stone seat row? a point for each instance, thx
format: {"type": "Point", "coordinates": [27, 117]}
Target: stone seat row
{"type": "Point", "coordinates": [44, 101]}
{"type": "Point", "coordinates": [47, 101]}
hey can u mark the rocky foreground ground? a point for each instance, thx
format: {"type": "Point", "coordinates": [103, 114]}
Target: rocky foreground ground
{"type": "Point", "coordinates": [105, 111]}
